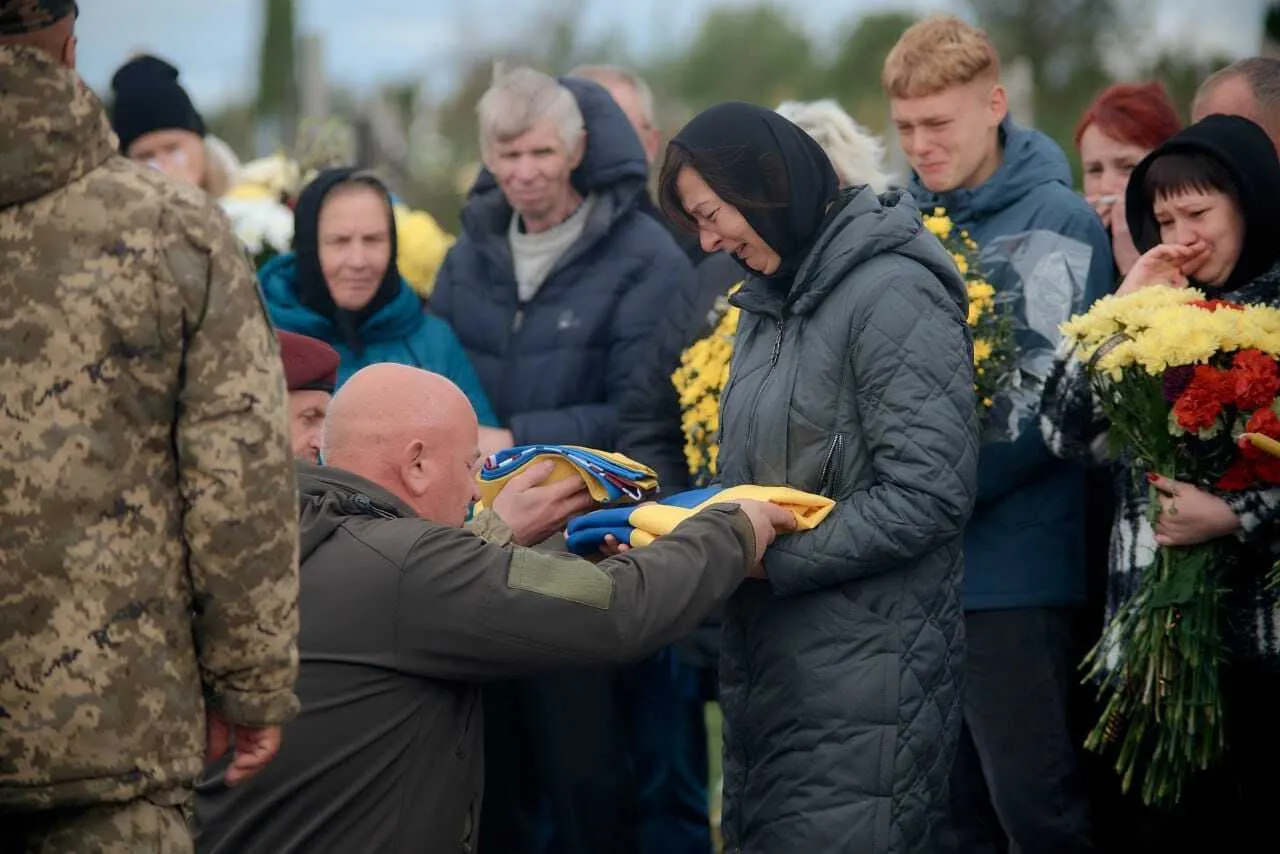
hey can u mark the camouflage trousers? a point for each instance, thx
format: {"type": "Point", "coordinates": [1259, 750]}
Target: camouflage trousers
{"type": "Point", "coordinates": [157, 824]}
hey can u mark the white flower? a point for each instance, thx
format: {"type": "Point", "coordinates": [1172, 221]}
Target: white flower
{"type": "Point", "coordinates": [260, 223]}
{"type": "Point", "coordinates": [276, 174]}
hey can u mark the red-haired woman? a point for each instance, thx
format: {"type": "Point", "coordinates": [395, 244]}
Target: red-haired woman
{"type": "Point", "coordinates": [1124, 124]}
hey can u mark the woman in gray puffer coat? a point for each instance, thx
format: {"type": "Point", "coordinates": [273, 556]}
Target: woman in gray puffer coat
{"type": "Point", "coordinates": [852, 376]}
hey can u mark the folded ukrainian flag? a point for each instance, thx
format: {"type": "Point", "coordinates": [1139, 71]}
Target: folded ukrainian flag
{"type": "Point", "coordinates": [640, 526]}
{"type": "Point", "coordinates": [610, 478]}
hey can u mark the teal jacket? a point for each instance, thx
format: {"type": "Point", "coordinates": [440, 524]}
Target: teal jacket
{"type": "Point", "coordinates": [400, 332]}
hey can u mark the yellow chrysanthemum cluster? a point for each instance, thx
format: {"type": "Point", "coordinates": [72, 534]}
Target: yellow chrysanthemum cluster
{"type": "Point", "coordinates": [992, 335]}
{"type": "Point", "coordinates": [1158, 327]}
{"type": "Point", "coordinates": [699, 381]}
{"type": "Point", "coordinates": [421, 245]}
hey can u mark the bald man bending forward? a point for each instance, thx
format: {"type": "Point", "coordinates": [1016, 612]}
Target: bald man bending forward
{"type": "Point", "coordinates": [403, 612]}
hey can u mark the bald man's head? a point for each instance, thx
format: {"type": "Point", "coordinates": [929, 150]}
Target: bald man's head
{"type": "Point", "coordinates": [410, 431]}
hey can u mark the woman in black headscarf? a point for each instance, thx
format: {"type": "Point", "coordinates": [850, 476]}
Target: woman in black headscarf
{"type": "Point", "coordinates": [342, 286]}
{"type": "Point", "coordinates": [852, 377]}
{"type": "Point", "coordinates": [1203, 209]}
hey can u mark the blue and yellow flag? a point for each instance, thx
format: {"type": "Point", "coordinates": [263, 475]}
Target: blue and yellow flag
{"type": "Point", "coordinates": [610, 478]}
{"type": "Point", "coordinates": [640, 526]}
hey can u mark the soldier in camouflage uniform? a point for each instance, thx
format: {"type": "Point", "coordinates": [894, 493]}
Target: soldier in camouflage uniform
{"type": "Point", "coordinates": [147, 577]}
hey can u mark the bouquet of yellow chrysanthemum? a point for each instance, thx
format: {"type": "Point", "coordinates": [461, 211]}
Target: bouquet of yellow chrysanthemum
{"type": "Point", "coordinates": [994, 345]}
{"type": "Point", "coordinates": [699, 382]}
{"type": "Point", "coordinates": [1179, 379]}
{"type": "Point", "coordinates": [421, 245]}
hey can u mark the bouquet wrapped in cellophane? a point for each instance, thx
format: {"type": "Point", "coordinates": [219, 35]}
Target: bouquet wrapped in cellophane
{"type": "Point", "coordinates": [1180, 379]}
{"type": "Point", "coordinates": [995, 349]}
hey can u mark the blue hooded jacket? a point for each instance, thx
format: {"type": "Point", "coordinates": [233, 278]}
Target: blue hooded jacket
{"type": "Point", "coordinates": [1048, 257]}
{"type": "Point", "coordinates": [400, 331]}
{"type": "Point", "coordinates": [556, 366]}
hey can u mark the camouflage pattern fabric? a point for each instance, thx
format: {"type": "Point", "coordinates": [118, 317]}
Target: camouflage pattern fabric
{"type": "Point", "coordinates": [159, 824]}
{"type": "Point", "coordinates": [18, 17]}
{"type": "Point", "coordinates": [148, 521]}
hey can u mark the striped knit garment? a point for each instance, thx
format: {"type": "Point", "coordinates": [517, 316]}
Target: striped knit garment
{"type": "Point", "coordinates": [1074, 428]}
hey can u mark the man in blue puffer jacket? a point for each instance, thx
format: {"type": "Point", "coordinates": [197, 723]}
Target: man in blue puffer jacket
{"type": "Point", "coordinates": [559, 278]}
{"type": "Point", "coordinates": [555, 288]}
{"type": "Point", "coordinates": [341, 285]}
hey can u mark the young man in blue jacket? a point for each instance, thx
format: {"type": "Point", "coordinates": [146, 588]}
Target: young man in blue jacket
{"type": "Point", "coordinates": [1045, 251]}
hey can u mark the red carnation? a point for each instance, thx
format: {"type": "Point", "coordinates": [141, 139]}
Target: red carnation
{"type": "Point", "coordinates": [1267, 471]}
{"type": "Point", "coordinates": [1199, 406]}
{"type": "Point", "coordinates": [1215, 304]}
{"type": "Point", "coordinates": [1238, 477]}
{"type": "Point", "coordinates": [1263, 421]}
{"type": "Point", "coordinates": [1254, 380]}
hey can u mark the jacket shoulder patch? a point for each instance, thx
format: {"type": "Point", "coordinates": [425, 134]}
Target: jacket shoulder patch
{"type": "Point", "coordinates": [560, 577]}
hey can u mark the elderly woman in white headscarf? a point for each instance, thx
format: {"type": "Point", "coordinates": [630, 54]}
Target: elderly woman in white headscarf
{"type": "Point", "coordinates": [856, 154]}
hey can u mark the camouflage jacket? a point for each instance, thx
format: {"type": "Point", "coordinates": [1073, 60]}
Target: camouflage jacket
{"type": "Point", "coordinates": [144, 569]}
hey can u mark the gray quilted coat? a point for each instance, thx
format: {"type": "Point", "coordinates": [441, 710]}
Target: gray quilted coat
{"type": "Point", "coordinates": [840, 675]}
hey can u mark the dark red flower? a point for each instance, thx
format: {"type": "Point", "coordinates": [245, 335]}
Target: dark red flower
{"type": "Point", "coordinates": [1255, 382]}
{"type": "Point", "coordinates": [1239, 476]}
{"type": "Point", "coordinates": [1200, 404]}
{"type": "Point", "coordinates": [1263, 421]}
{"type": "Point", "coordinates": [1215, 304]}
{"type": "Point", "coordinates": [1267, 471]}
{"type": "Point", "coordinates": [1175, 381]}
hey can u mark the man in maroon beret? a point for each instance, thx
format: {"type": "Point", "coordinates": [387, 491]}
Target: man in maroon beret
{"type": "Point", "coordinates": [311, 372]}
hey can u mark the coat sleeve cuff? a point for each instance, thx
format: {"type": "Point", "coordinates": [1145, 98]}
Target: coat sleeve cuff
{"type": "Point", "coordinates": [253, 709]}
{"type": "Point", "coordinates": [488, 526]}
{"type": "Point", "coordinates": [743, 528]}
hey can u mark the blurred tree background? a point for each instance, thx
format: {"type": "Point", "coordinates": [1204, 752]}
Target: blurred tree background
{"type": "Point", "coordinates": [426, 141]}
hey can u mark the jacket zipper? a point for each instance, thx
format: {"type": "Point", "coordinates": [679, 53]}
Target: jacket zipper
{"type": "Point", "coordinates": [366, 503]}
{"type": "Point", "coordinates": [832, 465]}
{"type": "Point", "coordinates": [755, 401]}
{"type": "Point", "coordinates": [749, 687]}
{"type": "Point", "coordinates": [517, 321]}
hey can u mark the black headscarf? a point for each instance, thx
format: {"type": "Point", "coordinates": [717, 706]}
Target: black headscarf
{"type": "Point", "coordinates": [310, 285]}
{"type": "Point", "coordinates": [1249, 158]}
{"type": "Point", "coordinates": [768, 160]}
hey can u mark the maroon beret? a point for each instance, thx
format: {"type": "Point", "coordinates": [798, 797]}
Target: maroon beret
{"type": "Point", "coordinates": [309, 364]}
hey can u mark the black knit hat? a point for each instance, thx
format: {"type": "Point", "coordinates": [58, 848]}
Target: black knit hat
{"type": "Point", "coordinates": [148, 98]}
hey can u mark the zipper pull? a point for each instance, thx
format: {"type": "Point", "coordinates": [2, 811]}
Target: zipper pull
{"type": "Point", "coordinates": [777, 344]}
{"type": "Point", "coordinates": [518, 320]}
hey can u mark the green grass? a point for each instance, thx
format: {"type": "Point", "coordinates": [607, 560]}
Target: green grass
{"type": "Point", "coordinates": [715, 741]}
{"type": "Point", "coordinates": [715, 755]}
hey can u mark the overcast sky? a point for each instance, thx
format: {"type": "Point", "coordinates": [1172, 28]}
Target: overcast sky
{"type": "Point", "coordinates": [367, 42]}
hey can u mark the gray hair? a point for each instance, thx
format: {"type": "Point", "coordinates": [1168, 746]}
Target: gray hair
{"type": "Point", "coordinates": [1262, 73]}
{"type": "Point", "coordinates": [856, 153]}
{"type": "Point", "coordinates": [519, 99]}
{"type": "Point", "coordinates": [616, 75]}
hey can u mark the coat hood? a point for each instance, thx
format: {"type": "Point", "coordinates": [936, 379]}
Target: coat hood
{"type": "Point", "coordinates": [54, 130]}
{"type": "Point", "coordinates": [1249, 157]}
{"type": "Point", "coordinates": [614, 159]}
{"type": "Point", "coordinates": [862, 226]}
{"type": "Point", "coordinates": [329, 497]}
{"type": "Point", "coordinates": [401, 317]}
{"type": "Point", "coordinates": [1030, 159]}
